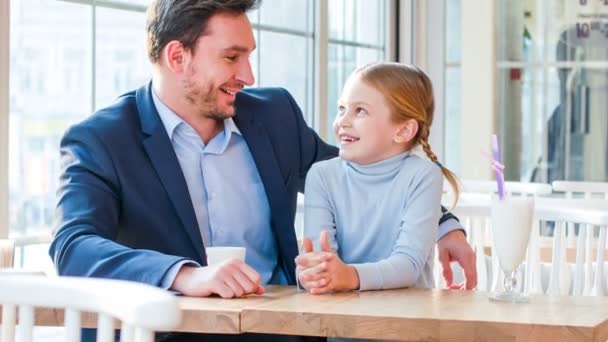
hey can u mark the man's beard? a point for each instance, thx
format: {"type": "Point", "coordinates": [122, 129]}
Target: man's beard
{"type": "Point", "coordinates": [205, 101]}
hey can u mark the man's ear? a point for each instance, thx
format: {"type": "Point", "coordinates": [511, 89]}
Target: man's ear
{"type": "Point", "coordinates": [406, 132]}
{"type": "Point", "coordinates": [175, 56]}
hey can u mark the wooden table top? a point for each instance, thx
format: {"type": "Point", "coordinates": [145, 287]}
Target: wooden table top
{"type": "Point", "coordinates": [406, 314]}
{"type": "Point", "coordinates": [430, 315]}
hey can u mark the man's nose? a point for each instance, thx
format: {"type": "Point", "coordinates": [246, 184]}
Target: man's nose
{"type": "Point", "coordinates": [245, 74]}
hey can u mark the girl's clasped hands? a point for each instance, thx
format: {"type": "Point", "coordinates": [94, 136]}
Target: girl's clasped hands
{"type": "Point", "coordinates": [323, 271]}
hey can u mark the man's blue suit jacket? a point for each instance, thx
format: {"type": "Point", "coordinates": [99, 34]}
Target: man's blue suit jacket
{"type": "Point", "coordinates": [124, 210]}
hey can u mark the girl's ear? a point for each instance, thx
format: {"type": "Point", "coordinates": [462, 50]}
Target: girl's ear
{"type": "Point", "coordinates": [406, 132]}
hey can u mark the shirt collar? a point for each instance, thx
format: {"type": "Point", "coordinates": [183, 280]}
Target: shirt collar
{"type": "Point", "coordinates": [171, 120]}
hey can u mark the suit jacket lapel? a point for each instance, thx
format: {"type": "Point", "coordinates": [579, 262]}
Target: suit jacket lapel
{"type": "Point", "coordinates": [163, 158]}
{"type": "Point", "coordinates": [266, 163]}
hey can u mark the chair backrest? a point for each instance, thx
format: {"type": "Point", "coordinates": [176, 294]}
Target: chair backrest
{"type": "Point", "coordinates": [586, 189]}
{"type": "Point", "coordinates": [578, 260]}
{"type": "Point", "coordinates": [555, 263]}
{"type": "Point", "coordinates": [141, 309]}
{"type": "Point", "coordinates": [489, 187]}
{"type": "Point", "coordinates": [7, 253]}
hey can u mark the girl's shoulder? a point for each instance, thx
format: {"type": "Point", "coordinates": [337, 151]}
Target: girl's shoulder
{"type": "Point", "coordinates": [329, 165]}
{"type": "Point", "coordinates": [416, 165]}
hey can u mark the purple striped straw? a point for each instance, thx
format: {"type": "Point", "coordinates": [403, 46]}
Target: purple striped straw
{"type": "Point", "coordinates": [500, 176]}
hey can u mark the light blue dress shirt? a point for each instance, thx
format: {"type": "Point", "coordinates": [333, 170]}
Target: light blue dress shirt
{"type": "Point", "coordinates": [381, 218]}
{"type": "Point", "coordinates": [227, 194]}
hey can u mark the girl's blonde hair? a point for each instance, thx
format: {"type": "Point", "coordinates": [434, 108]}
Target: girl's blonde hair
{"type": "Point", "coordinates": [409, 94]}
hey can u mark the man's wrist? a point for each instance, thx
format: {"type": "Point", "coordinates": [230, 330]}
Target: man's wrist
{"type": "Point", "coordinates": [183, 278]}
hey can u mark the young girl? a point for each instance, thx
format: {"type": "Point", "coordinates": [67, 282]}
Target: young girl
{"type": "Point", "coordinates": [373, 211]}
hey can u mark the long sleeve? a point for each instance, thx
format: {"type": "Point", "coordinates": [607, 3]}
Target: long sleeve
{"type": "Point", "coordinates": [87, 216]}
{"type": "Point", "coordinates": [318, 211]}
{"type": "Point", "coordinates": [448, 223]}
{"type": "Point", "coordinates": [415, 240]}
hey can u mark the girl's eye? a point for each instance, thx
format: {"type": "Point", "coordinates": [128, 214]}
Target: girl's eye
{"type": "Point", "coordinates": [360, 111]}
{"type": "Point", "coordinates": [341, 109]}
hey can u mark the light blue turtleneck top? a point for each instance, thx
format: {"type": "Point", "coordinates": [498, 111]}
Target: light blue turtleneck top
{"type": "Point", "coordinates": [382, 218]}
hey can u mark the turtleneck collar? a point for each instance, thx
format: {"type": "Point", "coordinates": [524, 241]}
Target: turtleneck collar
{"type": "Point", "coordinates": [382, 167]}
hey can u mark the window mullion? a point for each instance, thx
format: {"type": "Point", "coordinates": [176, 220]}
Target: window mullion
{"type": "Point", "coordinates": [406, 31]}
{"type": "Point", "coordinates": [321, 67]}
{"type": "Point", "coordinates": [390, 30]}
{"type": "Point", "coordinates": [4, 114]}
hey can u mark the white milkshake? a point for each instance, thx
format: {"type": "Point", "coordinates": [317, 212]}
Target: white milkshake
{"type": "Point", "coordinates": [511, 227]}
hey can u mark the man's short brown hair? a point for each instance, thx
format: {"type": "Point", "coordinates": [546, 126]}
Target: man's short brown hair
{"type": "Point", "coordinates": [186, 20]}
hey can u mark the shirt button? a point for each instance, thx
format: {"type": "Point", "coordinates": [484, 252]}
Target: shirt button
{"type": "Point", "coordinates": [212, 195]}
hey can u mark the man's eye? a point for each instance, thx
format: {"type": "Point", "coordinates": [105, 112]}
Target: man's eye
{"type": "Point", "coordinates": [231, 58]}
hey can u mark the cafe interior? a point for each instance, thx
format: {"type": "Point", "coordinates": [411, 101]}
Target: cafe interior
{"type": "Point", "coordinates": [520, 117]}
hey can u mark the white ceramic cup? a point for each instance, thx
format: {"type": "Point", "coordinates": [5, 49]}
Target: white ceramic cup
{"type": "Point", "coordinates": [217, 255]}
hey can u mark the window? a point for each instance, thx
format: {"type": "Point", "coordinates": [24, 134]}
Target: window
{"type": "Point", "coordinates": [58, 76]}
{"type": "Point", "coordinates": [357, 36]}
{"type": "Point", "coordinates": [71, 57]}
{"type": "Point", "coordinates": [284, 55]}
{"type": "Point", "coordinates": [552, 84]}
{"type": "Point", "coordinates": [552, 77]}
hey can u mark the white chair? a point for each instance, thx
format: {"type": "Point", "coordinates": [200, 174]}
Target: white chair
{"type": "Point", "coordinates": [142, 309]}
{"type": "Point", "coordinates": [477, 224]}
{"type": "Point", "coordinates": [587, 189]}
{"type": "Point", "coordinates": [7, 253]}
{"type": "Point", "coordinates": [554, 265]}
{"type": "Point", "coordinates": [584, 259]}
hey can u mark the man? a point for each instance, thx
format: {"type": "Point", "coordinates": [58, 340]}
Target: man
{"type": "Point", "coordinates": [191, 160]}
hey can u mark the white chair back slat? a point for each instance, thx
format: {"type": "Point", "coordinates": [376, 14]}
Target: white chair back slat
{"type": "Point", "coordinates": [477, 234]}
{"type": "Point", "coordinates": [599, 288]}
{"type": "Point", "coordinates": [140, 306]}
{"type": "Point", "coordinates": [579, 269]}
{"type": "Point", "coordinates": [553, 288]}
{"type": "Point", "coordinates": [26, 323]}
{"type": "Point", "coordinates": [588, 283]}
{"type": "Point", "coordinates": [559, 280]}
{"type": "Point", "coordinates": [9, 320]}
{"type": "Point", "coordinates": [143, 335]}
{"type": "Point", "coordinates": [127, 333]}
{"type": "Point", "coordinates": [72, 325]}
{"type": "Point", "coordinates": [105, 328]}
